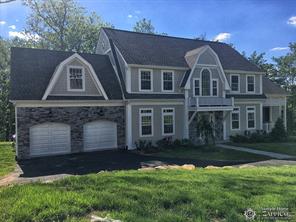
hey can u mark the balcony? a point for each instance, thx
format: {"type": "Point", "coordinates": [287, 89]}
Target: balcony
{"type": "Point", "coordinates": [210, 103]}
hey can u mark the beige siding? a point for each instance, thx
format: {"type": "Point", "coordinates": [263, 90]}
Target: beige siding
{"type": "Point", "coordinates": [157, 122]}
{"type": "Point", "coordinates": [60, 87]}
{"type": "Point", "coordinates": [178, 75]}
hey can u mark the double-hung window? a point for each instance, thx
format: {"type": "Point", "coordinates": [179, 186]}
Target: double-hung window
{"type": "Point", "coordinates": [168, 121]}
{"type": "Point", "coordinates": [145, 80]}
{"type": "Point", "coordinates": [250, 83]}
{"type": "Point", "coordinates": [215, 87]}
{"type": "Point", "coordinates": [146, 122]}
{"type": "Point", "coordinates": [251, 117]}
{"type": "Point", "coordinates": [167, 81]}
{"type": "Point", "coordinates": [196, 87]}
{"type": "Point", "coordinates": [234, 80]}
{"type": "Point", "coordinates": [75, 78]}
{"type": "Point", "coordinates": [235, 117]}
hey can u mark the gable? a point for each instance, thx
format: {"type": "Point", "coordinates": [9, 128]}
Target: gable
{"type": "Point", "coordinates": [60, 87]}
{"type": "Point", "coordinates": [207, 58]}
{"type": "Point", "coordinates": [61, 70]}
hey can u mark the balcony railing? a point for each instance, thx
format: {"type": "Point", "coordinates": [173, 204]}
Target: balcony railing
{"type": "Point", "coordinates": [196, 102]}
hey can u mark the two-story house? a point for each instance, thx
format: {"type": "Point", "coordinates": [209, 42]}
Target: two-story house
{"type": "Point", "coordinates": [136, 87]}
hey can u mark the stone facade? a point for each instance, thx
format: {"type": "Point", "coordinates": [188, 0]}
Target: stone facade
{"type": "Point", "coordinates": [76, 117]}
{"type": "Point", "coordinates": [218, 127]}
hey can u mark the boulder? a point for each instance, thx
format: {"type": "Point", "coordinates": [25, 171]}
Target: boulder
{"type": "Point", "coordinates": [210, 167]}
{"type": "Point", "coordinates": [188, 167]}
{"type": "Point", "coordinates": [246, 166]}
{"type": "Point", "coordinates": [102, 219]}
{"type": "Point", "coordinates": [146, 169]}
{"type": "Point", "coordinates": [228, 167]}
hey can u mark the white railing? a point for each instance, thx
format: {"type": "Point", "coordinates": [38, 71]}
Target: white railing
{"type": "Point", "coordinates": [210, 101]}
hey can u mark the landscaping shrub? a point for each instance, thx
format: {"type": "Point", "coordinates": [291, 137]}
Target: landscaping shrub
{"type": "Point", "coordinates": [251, 137]}
{"type": "Point", "coordinates": [177, 143]}
{"type": "Point", "coordinates": [144, 146]}
{"type": "Point", "coordinates": [165, 143]}
{"type": "Point", "coordinates": [186, 143]}
{"type": "Point", "coordinates": [279, 132]}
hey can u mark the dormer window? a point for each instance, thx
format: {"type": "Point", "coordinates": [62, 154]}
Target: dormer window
{"type": "Point", "coordinates": [76, 78]}
{"type": "Point", "coordinates": [250, 83]}
{"type": "Point", "coordinates": [145, 80]}
{"type": "Point", "coordinates": [167, 81]}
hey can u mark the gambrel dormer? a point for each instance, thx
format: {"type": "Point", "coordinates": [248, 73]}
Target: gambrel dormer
{"type": "Point", "coordinates": [75, 77]}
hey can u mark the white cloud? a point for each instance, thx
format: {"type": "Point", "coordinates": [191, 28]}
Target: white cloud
{"type": "Point", "coordinates": [130, 16]}
{"type": "Point", "coordinates": [222, 36]}
{"type": "Point", "coordinates": [279, 48]}
{"type": "Point", "coordinates": [23, 35]}
{"type": "Point", "coordinates": [292, 21]}
{"type": "Point", "coordinates": [138, 12]}
{"type": "Point", "coordinates": [16, 20]}
{"type": "Point", "coordinates": [2, 22]}
{"type": "Point", "coordinates": [12, 27]}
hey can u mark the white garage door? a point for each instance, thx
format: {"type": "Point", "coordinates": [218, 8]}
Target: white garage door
{"type": "Point", "coordinates": [100, 135]}
{"type": "Point", "coordinates": [50, 138]}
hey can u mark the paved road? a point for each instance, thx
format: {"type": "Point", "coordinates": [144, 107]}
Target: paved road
{"type": "Point", "coordinates": [260, 152]}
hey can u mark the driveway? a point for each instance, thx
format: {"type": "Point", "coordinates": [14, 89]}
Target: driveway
{"type": "Point", "coordinates": [85, 163]}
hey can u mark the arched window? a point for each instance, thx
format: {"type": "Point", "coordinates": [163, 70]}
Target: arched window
{"type": "Point", "coordinates": [206, 82]}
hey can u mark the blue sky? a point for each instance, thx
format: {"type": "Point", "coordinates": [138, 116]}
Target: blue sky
{"type": "Point", "coordinates": [266, 25]}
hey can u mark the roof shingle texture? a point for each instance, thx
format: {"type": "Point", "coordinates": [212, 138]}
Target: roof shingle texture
{"type": "Point", "coordinates": [149, 49]}
{"type": "Point", "coordinates": [270, 87]}
{"type": "Point", "coordinates": [32, 69]}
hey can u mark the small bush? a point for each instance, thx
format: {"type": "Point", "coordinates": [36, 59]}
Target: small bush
{"type": "Point", "coordinates": [144, 146]}
{"type": "Point", "coordinates": [165, 143]}
{"type": "Point", "coordinates": [186, 143]}
{"type": "Point", "coordinates": [177, 143]}
{"type": "Point", "coordinates": [251, 137]}
{"type": "Point", "coordinates": [279, 132]}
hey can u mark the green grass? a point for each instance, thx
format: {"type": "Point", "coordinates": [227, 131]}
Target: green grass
{"type": "Point", "coordinates": [164, 196]}
{"type": "Point", "coordinates": [202, 153]}
{"type": "Point", "coordinates": [285, 148]}
{"type": "Point", "coordinates": [7, 161]}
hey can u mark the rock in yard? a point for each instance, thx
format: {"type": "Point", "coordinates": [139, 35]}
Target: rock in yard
{"type": "Point", "coordinates": [246, 166]}
{"type": "Point", "coordinates": [188, 167]}
{"type": "Point", "coordinates": [146, 169]}
{"type": "Point", "coordinates": [212, 167]}
{"type": "Point", "coordinates": [227, 167]}
{"type": "Point", "coordinates": [161, 167]}
{"type": "Point", "coordinates": [101, 219]}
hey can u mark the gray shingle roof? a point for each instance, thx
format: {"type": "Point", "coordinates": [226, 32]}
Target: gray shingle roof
{"type": "Point", "coordinates": [150, 49]}
{"type": "Point", "coordinates": [31, 70]}
{"type": "Point", "coordinates": [270, 87]}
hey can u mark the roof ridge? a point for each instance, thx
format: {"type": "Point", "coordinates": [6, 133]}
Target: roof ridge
{"type": "Point", "coordinates": [165, 36]}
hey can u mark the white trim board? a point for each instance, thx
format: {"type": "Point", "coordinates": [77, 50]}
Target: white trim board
{"type": "Point", "coordinates": [58, 72]}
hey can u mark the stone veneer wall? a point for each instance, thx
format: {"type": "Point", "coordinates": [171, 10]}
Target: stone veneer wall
{"type": "Point", "coordinates": [76, 117]}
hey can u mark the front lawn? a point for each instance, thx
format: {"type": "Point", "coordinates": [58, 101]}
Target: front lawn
{"type": "Point", "coordinates": [7, 161]}
{"type": "Point", "coordinates": [209, 153]}
{"type": "Point", "coordinates": [285, 148]}
{"type": "Point", "coordinates": [162, 195]}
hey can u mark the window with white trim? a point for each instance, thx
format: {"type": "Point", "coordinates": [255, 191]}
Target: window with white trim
{"type": "Point", "coordinates": [250, 83]}
{"type": "Point", "coordinates": [75, 78]}
{"type": "Point", "coordinates": [196, 87]}
{"type": "Point", "coordinates": [167, 81]}
{"type": "Point", "coordinates": [251, 118]}
{"type": "Point", "coordinates": [215, 87]}
{"type": "Point", "coordinates": [146, 122]}
{"type": "Point", "coordinates": [234, 79]}
{"type": "Point", "coordinates": [206, 82]}
{"type": "Point", "coordinates": [235, 118]}
{"type": "Point", "coordinates": [168, 121]}
{"type": "Point", "coordinates": [145, 80]}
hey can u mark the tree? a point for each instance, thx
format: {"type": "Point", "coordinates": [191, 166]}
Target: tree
{"type": "Point", "coordinates": [278, 133]}
{"type": "Point", "coordinates": [6, 108]}
{"type": "Point", "coordinates": [202, 36]}
{"type": "Point", "coordinates": [63, 25]}
{"type": "Point", "coordinates": [145, 26]}
{"type": "Point", "coordinates": [259, 60]}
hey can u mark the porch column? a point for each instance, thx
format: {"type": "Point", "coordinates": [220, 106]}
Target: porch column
{"type": "Point", "coordinates": [261, 116]}
{"type": "Point", "coordinates": [285, 113]}
{"type": "Point", "coordinates": [224, 125]}
{"type": "Point", "coordinates": [186, 122]}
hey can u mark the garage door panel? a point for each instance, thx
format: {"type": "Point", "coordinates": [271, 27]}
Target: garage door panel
{"type": "Point", "coordinates": [100, 135]}
{"type": "Point", "coordinates": [49, 139]}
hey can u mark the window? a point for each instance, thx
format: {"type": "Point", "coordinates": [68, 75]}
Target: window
{"type": "Point", "coordinates": [215, 87]}
{"type": "Point", "coordinates": [145, 80]}
{"type": "Point", "coordinates": [75, 78]}
{"type": "Point", "coordinates": [250, 83]}
{"type": "Point", "coordinates": [206, 82]}
{"type": "Point", "coordinates": [235, 116]}
{"type": "Point", "coordinates": [266, 114]}
{"type": "Point", "coordinates": [250, 117]}
{"type": "Point", "coordinates": [196, 87]}
{"type": "Point", "coordinates": [168, 119]}
{"type": "Point", "coordinates": [146, 121]}
{"type": "Point", "coordinates": [167, 81]}
{"type": "Point", "coordinates": [234, 79]}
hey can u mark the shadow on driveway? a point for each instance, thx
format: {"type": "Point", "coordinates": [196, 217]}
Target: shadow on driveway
{"type": "Point", "coordinates": [93, 162]}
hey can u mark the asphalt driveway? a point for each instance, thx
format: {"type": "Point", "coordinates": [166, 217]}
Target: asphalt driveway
{"type": "Point", "coordinates": [93, 162]}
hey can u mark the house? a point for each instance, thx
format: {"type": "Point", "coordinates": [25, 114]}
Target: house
{"type": "Point", "coordinates": [136, 87]}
